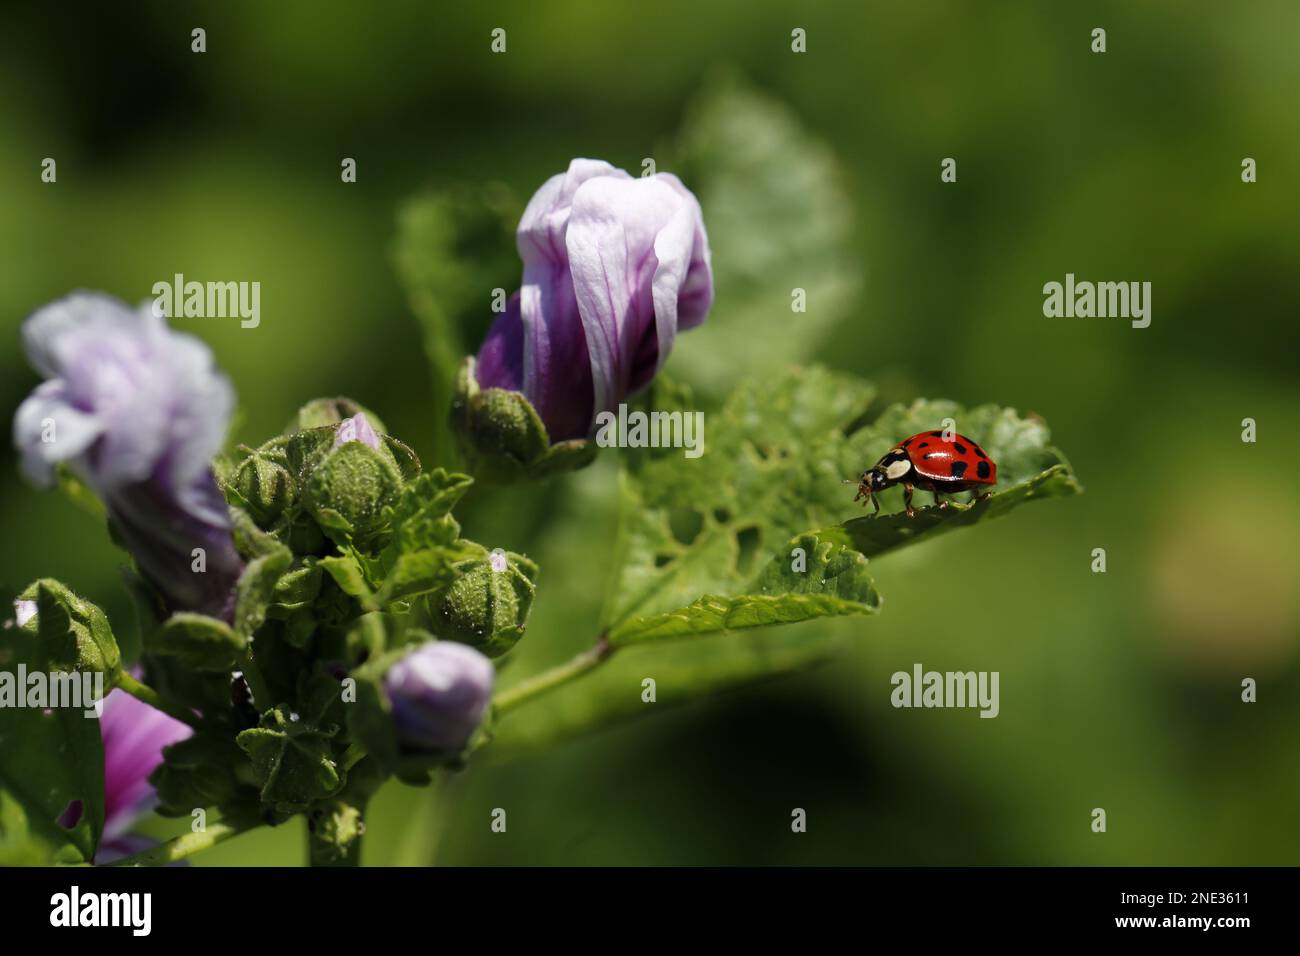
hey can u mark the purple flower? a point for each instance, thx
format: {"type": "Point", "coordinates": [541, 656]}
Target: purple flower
{"type": "Point", "coordinates": [614, 267]}
{"type": "Point", "coordinates": [439, 693]}
{"type": "Point", "coordinates": [356, 428]}
{"type": "Point", "coordinates": [137, 412]}
{"type": "Point", "coordinates": [134, 737]}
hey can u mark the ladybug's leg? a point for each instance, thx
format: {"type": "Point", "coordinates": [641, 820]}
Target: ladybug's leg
{"type": "Point", "coordinates": [938, 503]}
{"type": "Point", "coordinates": [907, 498]}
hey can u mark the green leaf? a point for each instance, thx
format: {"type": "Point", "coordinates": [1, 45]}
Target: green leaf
{"type": "Point", "coordinates": [256, 589]}
{"type": "Point", "coordinates": [779, 218]}
{"type": "Point", "coordinates": [199, 771]}
{"type": "Point", "coordinates": [416, 572]}
{"type": "Point", "coordinates": [198, 641]}
{"type": "Point", "coordinates": [832, 582]}
{"type": "Point", "coordinates": [421, 516]}
{"type": "Point", "coordinates": [75, 633]}
{"type": "Point", "coordinates": [876, 535]}
{"type": "Point", "coordinates": [425, 538]}
{"type": "Point", "coordinates": [347, 573]}
{"type": "Point", "coordinates": [51, 761]}
{"type": "Point", "coordinates": [452, 249]}
{"type": "Point", "coordinates": [721, 543]}
{"type": "Point", "coordinates": [79, 492]}
{"type": "Point", "coordinates": [775, 462]}
{"type": "Point", "coordinates": [19, 846]}
{"type": "Point", "coordinates": [1029, 468]}
{"type": "Point", "coordinates": [711, 525]}
{"type": "Point", "coordinates": [292, 759]}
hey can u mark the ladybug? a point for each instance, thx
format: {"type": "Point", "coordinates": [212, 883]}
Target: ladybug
{"type": "Point", "coordinates": [931, 462]}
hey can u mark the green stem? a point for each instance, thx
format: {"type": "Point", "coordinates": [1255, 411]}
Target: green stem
{"type": "Point", "coordinates": [353, 756]}
{"type": "Point", "coordinates": [146, 694]}
{"type": "Point", "coordinates": [334, 831]}
{"type": "Point", "coordinates": [555, 677]}
{"type": "Point", "coordinates": [184, 845]}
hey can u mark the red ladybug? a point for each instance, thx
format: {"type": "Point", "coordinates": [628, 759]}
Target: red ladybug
{"type": "Point", "coordinates": [931, 462]}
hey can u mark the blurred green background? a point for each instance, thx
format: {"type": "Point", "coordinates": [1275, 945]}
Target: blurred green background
{"type": "Point", "coordinates": [1119, 690]}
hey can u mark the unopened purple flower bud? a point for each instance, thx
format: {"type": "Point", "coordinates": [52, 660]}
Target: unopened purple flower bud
{"type": "Point", "coordinates": [439, 693]}
{"type": "Point", "coordinates": [137, 412]}
{"type": "Point", "coordinates": [614, 268]}
{"type": "Point", "coordinates": [357, 428]}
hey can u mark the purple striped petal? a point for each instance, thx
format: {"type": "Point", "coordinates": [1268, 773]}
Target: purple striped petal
{"type": "Point", "coordinates": [134, 737]}
{"type": "Point", "coordinates": [136, 411]}
{"type": "Point", "coordinates": [613, 268]}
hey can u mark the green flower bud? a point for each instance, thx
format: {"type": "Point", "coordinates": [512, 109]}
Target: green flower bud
{"type": "Point", "coordinates": [502, 436]}
{"type": "Point", "coordinates": [352, 482]}
{"type": "Point", "coordinates": [74, 633]}
{"type": "Point", "coordinates": [488, 604]}
{"type": "Point", "coordinates": [265, 484]}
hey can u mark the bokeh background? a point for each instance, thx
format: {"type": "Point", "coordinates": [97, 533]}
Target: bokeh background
{"type": "Point", "coordinates": [1119, 690]}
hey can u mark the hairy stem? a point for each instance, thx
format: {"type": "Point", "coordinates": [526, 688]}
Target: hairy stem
{"type": "Point", "coordinates": [187, 844]}
{"type": "Point", "coordinates": [555, 677]}
{"type": "Point", "coordinates": [146, 694]}
{"type": "Point", "coordinates": [334, 832]}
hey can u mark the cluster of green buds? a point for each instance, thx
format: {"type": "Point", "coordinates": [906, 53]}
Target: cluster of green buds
{"type": "Point", "coordinates": [361, 636]}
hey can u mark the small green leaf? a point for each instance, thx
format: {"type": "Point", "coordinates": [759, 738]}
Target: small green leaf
{"type": "Point", "coordinates": [878, 534]}
{"type": "Point", "coordinates": [198, 641]}
{"type": "Point", "coordinates": [780, 222]}
{"type": "Point", "coordinates": [292, 759]}
{"type": "Point", "coordinates": [250, 540]}
{"type": "Point", "coordinates": [78, 492]}
{"type": "Point", "coordinates": [74, 633]}
{"type": "Point", "coordinates": [832, 582]}
{"type": "Point", "coordinates": [256, 589]}
{"type": "Point", "coordinates": [416, 572]}
{"type": "Point", "coordinates": [346, 571]}
{"type": "Point", "coordinates": [710, 525]}
{"type": "Point", "coordinates": [199, 771]}
{"type": "Point", "coordinates": [51, 764]}
{"type": "Point", "coordinates": [298, 587]}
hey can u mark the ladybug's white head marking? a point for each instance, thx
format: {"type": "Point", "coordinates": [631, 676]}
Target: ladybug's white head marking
{"type": "Point", "coordinates": [897, 468]}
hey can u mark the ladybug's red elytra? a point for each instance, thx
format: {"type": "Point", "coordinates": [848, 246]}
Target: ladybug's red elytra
{"type": "Point", "coordinates": [932, 462]}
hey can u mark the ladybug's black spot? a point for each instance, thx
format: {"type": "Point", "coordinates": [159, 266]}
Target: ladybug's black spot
{"type": "Point", "coordinates": [924, 444]}
{"type": "Point", "coordinates": [958, 469]}
{"type": "Point", "coordinates": [961, 449]}
{"type": "Point", "coordinates": [982, 469]}
{"type": "Point", "coordinates": [980, 451]}
{"type": "Point", "coordinates": [936, 434]}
